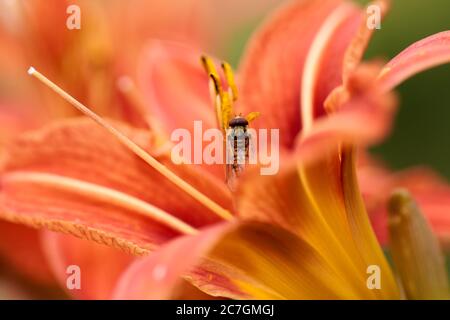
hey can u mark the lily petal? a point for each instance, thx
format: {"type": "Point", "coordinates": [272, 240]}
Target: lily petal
{"type": "Point", "coordinates": [334, 196]}
{"type": "Point", "coordinates": [422, 55]}
{"type": "Point", "coordinates": [355, 52]}
{"type": "Point", "coordinates": [430, 190]}
{"type": "Point", "coordinates": [75, 178]}
{"type": "Point", "coordinates": [21, 248]}
{"type": "Point", "coordinates": [325, 60]}
{"type": "Point", "coordinates": [63, 251]}
{"type": "Point", "coordinates": [15, 119]}
{"type": "Point", "coordinates": [245, 260]}
{"type": "Point", "coordinates": [433, 195]}
{"type": "Point", "coordinates": [310, 203]}
{"type": "Point", "coordinates": [158, 275]}
{"type": "Point", "coordinates": [273, 65]}
{"type": "Point", "coordinates": [176, 88]}
{"type": "Point", "coordinates": [363, 113]}
{"type": "Point", "coordinates": [19, 245]}
{"type": "Point", "coordinates": [359, 222]}
{"type": "Point", "coordinates": [363, 116]}
{"type": "Point", "coordinates": [172, 79]}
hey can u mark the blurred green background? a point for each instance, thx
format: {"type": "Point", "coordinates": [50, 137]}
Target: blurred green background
{"type": "Point", "coordinates": [422, 127]}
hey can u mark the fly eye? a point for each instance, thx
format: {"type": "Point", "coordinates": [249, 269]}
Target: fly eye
{"type": "Point", "coordinates": [238, 122]}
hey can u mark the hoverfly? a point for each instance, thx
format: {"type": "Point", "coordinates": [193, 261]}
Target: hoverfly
{"type": "Point", "coordinates": [237, 151]}
{"type": "Point", "coordinates": [237, 139]}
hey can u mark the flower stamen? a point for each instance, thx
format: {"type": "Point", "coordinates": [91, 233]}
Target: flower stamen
{"type": "Point", "coordinates": [223, 99]}
{"type": "Point", "coordinates": [229, 76]}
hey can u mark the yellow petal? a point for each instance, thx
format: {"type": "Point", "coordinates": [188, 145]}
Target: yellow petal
{"type": "Point", "coordinates": [360, 226]}
{"type": "Point", "coordinates": [332, 190]}
{"type": "Point", "coordinates": [284, 200]}
{"type": "Point", "coordinates": [245, 260]}
{"type": "Point", "coordinates": [270, 262]}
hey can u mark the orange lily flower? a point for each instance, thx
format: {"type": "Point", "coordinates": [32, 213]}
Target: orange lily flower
{"type": "Point", "coordinates": [313, 238]}
{"type": "Point", "coordinates": [97, 52]}
{"type": "Point", "coordinates": [263, 60]}
{"type": "Point", "coordinates": [344, 126]}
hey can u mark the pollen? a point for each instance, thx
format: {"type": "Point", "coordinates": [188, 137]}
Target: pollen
{"type": "Point", "coordinates": [224, 97]}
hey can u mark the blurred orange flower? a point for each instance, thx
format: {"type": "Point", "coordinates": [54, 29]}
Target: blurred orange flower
{"type": "Point", "coordinates": [87, 62]}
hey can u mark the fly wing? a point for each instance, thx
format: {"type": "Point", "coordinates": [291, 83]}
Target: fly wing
{"type": "Point", "coordinates": [231, 177]}
{"type": "Point", "coordinates": [230, 172]}
{"type": "Point", "coordinates": [249, 145]}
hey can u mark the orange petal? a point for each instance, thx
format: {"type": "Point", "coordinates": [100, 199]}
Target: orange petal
{"type": "Point", "coordinates": [267, 262]}
{"type": "Point", "coordinates": [334, 56]}
{"type": "Point", "coordinates": [369, 119]}
{"type": "Point", "coordinates": [176, 90]}
{"type": "Point", "coordinates": [283, 200]}
{"type": "Point", "coordinates": [311, 204]}
{"type": "Point", "coordinates": [432, 194]}
{"type": "Point", "coordinates": [422, 55]}
{"type": "Point", "coordinates": [363, 115]}
{"type": "Point", "coordinates": [355, 52]}
{"type": "Point", "coordinates": [175, 85]}
{"type": "Point", "coordinates": [158, 275]}
{"type": "Point", "coordinates": [14, 119]}
{"type": "Point", "coordinates": [100, 266]}
{"type": "Point", "coordinates": [76, 178]}
{"type": "Point", "coordinates": [271, 73]}
{"type": "Point", "coordinates": [20, 247]}
{"type": "Point", "coordinates": [245, 260]}
{"type": "Point", "coordinates": [325, 60]}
